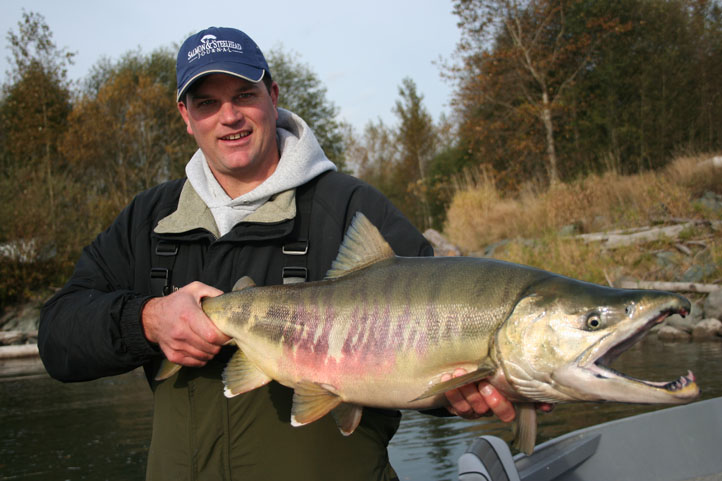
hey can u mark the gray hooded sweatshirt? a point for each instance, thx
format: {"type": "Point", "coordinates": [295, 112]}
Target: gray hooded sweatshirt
{"type": "Point", "coordinates": [302, 159]}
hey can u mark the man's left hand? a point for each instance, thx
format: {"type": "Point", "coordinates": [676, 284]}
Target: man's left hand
{"type": "Point", "coordinates": [478, 399]}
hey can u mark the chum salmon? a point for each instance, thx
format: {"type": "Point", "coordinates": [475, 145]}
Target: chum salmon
{"type": "Point", "coordinates": [381, 331]}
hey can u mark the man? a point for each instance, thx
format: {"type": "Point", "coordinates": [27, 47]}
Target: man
{"type": "Point", "coordinates": [258, 186]}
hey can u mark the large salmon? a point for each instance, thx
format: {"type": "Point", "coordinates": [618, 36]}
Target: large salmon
{"type": "Point", "coordinates": [381, 331]}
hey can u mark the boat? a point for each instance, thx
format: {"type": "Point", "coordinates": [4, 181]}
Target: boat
{"type": "Point", "coordinates": [680, 443]}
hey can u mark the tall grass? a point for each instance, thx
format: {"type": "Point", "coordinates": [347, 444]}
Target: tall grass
{"type": "Point", "coordinates": [481, 215]}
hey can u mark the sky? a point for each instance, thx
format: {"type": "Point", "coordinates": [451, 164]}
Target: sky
{"type": "Point", "coordinates": [360, 50]}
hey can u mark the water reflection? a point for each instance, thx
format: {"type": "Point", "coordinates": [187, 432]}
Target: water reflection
{"type": "Point", "coordinates": [86, 431]}
{"type": "Point", "coordinates": [101, 430]}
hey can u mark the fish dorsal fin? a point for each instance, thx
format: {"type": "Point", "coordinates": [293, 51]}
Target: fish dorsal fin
{"type": "Point", "coordinates": [243, 283]}
{"type": "Point", "coordinates": [362, 246]}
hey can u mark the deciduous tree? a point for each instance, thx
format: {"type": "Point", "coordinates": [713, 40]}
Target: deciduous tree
{"type": "Point", "coordinates": [303, 93]}
{"type": "Point", "coordinates": [36, 102]}
{"type": "Point", "coordinates": [125, 133]}
{"type": "Point", "coordinates": [518, 58]}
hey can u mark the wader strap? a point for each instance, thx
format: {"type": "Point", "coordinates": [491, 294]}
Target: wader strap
{"type": "Point", "coordinates": [295, 246]}
{"type": "Point", "coordinates": [161, 275]}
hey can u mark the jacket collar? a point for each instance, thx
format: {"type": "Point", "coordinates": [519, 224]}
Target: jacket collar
{"type": "Point", "coordinates": [192, 213]}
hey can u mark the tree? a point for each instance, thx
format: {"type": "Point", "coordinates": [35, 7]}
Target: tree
{"type": "Point", "coordinates": [654, 88]}
{"type": "Point", "coordinates": [35, 104]}
{"type": "Point", "coordinates": [125, 133]}
{"type": "Point", "coordinates": [303, 93]}
{"type": "Point", "coordinates": [522, 56]}
{"type": "Point", "coordinates": [629, 83]}
{"type": "Point", "coordinates": [417, 140]}
{"type": "Point", "coordinates": [396, 159]}
{"type": "Point", "coordinates": [374, 157]}
{"type": "Point", "coordinates": [416, 133]}
{"type": "Point", "coordinates": [33, 182]}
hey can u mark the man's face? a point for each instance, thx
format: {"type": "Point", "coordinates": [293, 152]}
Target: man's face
{"type": "Point", "coordinates": [234, 124]}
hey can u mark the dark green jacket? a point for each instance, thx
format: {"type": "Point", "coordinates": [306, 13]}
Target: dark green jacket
{"type": "Point", "coordinates": [91, 328]}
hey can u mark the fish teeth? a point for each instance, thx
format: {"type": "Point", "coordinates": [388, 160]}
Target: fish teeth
{"type": "Point", "coordinates": [682, 382]}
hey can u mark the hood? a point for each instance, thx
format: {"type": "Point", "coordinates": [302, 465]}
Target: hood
{"type": "Point", "coordinates": [302, 159]}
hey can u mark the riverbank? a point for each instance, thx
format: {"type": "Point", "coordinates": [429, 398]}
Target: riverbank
{"type": "Point", "coordinates": [19, 328]}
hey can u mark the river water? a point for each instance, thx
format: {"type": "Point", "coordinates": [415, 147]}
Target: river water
{"type": "Point", "coordinates": [100, 430]}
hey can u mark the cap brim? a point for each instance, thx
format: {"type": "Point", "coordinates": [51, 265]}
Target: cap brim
{"type": "Point", "coordinates": [246, 72]}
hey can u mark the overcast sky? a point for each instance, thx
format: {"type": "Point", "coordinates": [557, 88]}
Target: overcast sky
{"type": "Point", "coordinates": [361, 50]}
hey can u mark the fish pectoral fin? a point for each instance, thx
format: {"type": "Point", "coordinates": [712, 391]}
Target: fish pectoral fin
{"type": "Point", "coordinates": [347, 417]}
{"type": "Point", "coordinates": [166, 370]}
{"type": "Point", "coordinates": [311, 401]}
{"type": "Point", "coordinates": [457, 382]}
{"type": "Point", "coordinates": [241, 375]}
{"type": "Point", "coordinates": [525, 428]}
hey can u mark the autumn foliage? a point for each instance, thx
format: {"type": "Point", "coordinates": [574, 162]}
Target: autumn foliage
{"type": "Point", "coordinates": [560, 98]}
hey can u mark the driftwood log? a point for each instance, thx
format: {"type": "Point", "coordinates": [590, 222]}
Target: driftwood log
{"type": "Point", "coordinates": [639, 235]}
{"type": "Point", "coordinates": [669, 286]}
{"type": "Point", "coordinates": [21, 350]}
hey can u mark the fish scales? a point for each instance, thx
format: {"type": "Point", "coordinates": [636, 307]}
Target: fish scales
{"type": "Point", "coordinates": [420, 324]}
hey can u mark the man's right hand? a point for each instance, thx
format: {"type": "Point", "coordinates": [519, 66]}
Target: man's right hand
{"type": "Point", "coordinates": [179, 326]}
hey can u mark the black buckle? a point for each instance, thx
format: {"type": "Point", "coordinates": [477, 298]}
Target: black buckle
{"type": "Point", "coordinates": [163, 249]}
{"type": "Point", "coordinates": [298, 248]}
{"type": "Point", "coordinates": [159, 273]}
{"type": "Point", "coordinates": [294, 274]}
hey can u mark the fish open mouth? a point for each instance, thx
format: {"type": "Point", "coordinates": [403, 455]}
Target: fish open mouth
{"type": "Point", "coordinates": [682, 388]}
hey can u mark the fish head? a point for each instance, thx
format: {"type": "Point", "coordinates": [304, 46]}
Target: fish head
{"type": "Point", "coordinates": [562, 335]}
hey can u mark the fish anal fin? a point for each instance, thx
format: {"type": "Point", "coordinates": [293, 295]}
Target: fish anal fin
{"type": "Point", "coordinates": [241, 375]}
{"type": "Point", "coordinates": [362, 246]}
{"type": "Point", "coordinates": [243, 283]}
{"type": "Point", "coordinates": [525, 428]}
{"type": "Point", "coordinates": [166, 370]}
{"type": "Point", "coordinates": [457, 382]}
{"type": "Point", "coordinates": [348, 417]}
{"type": "Point", "coordinates": [311, 401]}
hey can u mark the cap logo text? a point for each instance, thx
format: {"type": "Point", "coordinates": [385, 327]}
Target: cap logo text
{"type": "Point", "coordinates": [210, 44]}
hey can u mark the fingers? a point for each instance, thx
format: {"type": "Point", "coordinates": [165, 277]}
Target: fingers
{"type": "Point", "coordinates": [475, 400]}
{"type": "Point", "coordinates": [179, 326]}
{"type": "Point", "coordinates": [203, 326]}
{"type": "Point", "coordinates": [466, 401]}
{"type": "Point", "coordinates": [500, 405]}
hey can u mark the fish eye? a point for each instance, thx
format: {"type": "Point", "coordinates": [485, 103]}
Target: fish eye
{"type": "Point", "coordinates": [594, 321]}
{"type": "Point", "coordinates": [629, 310]}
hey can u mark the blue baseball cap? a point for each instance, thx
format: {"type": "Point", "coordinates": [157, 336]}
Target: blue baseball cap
{"type": "Point", "coordinates": [219, 50]}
